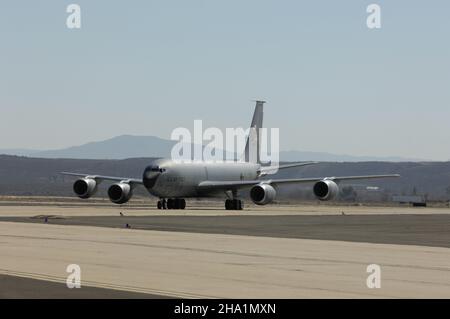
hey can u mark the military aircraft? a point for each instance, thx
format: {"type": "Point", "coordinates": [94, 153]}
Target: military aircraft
{"type": "Point", "coordinates": [173, 181]}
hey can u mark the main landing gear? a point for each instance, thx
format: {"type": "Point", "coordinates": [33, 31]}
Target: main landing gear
{"type": "Point", "coordinates": [172, 203]}
{"type": "Point", "coordinates": [234, 204]}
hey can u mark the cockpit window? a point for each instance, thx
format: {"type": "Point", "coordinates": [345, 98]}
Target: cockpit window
{"type": "Point", "coordinates": [157, 169]}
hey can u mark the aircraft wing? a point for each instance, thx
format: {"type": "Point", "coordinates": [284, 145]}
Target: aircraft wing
{"type": "Point", "coordinates": [241, 184]}
{"type": "Point", "coordinates": [100, 178]}
{"type": "Point", "coordinates": [270, 169]}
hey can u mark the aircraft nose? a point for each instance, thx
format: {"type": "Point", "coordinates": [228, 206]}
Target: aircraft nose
{"type": "Point", "coordinates": [151, 174]}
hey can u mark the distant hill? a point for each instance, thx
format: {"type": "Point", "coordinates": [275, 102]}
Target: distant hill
{"type": "Point", "coordinates": [120, 147]}
{"type": "Point", "coordinates": [18, 151]}
{"type": "Point", "coordinates": [130, 146]}
{"type": "Point", "coordinates": [40, 176]}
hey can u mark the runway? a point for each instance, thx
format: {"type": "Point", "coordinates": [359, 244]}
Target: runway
{"type": "Point", "coordinates": [275, 254]}
{"type": "Point", "coordinates": [424, 230]}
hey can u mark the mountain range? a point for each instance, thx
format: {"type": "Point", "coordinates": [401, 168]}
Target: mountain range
{"type": "Point", "coordinates": [131, 146]}
{"type": "Point", "coordinates": [28, 176]}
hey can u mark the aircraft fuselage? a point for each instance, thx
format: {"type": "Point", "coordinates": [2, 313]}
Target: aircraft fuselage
{"type": "Point", "coordinates": [166, 178]}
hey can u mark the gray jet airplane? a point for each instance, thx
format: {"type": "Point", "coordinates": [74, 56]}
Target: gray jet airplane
{"type": "Point", "coordinates": [173, 181]}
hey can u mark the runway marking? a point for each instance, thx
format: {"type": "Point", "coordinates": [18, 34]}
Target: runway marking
{"type": "Point", "coordinates": [97, 284]}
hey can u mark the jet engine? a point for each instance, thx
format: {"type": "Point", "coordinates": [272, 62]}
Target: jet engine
{"type": "Point", "coordinates": [326, 190]}
{"type": "Point", "coordinates": [85, 187]}
{"type": "Point", "coordinates": [262, 194]}
{"type": "Point", "coordinates": [120, 193]}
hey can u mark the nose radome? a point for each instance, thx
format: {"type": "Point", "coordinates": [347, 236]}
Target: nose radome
{"type": "Point", "coordinates": [150, 176]}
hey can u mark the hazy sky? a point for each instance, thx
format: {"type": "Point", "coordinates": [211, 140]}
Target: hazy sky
{"type": "Point", "coordinates": [146, 67]}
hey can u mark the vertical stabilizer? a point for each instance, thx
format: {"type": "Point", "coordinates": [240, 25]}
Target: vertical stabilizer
{"type": "Point", "coordinates": [252, 147]}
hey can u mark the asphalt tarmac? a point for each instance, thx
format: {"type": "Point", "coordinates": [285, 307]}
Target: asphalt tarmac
{"type": "Point", "coordinates": [261, 252]}
{"type": "Point", "coordinates": [14, 287]}
{"type": "Point", "coordinates": [195, 265]}
{"type": "Point", "coordinates": [423, 230]}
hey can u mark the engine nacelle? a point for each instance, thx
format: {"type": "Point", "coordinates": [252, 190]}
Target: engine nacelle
{"type": "Point", "coordinates": [326, 190]}
{"type": "Point", "coordinates": [85, 187]}
{"type": "Point", "coordinates": [262, 194]}
{"type": "Point", "coordinates": [120, 193]}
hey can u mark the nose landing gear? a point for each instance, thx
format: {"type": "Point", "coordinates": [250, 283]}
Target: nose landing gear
{"type": "Point", "coordinates": [161, 204]}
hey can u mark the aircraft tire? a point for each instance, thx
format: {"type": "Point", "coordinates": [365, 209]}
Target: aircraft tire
{"type": "Point", "coordinates": [236, 204]}
{"type": "Point", "coordinates": [233, 204]}
{"type": "Point", "coordinates": [228, 204]}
